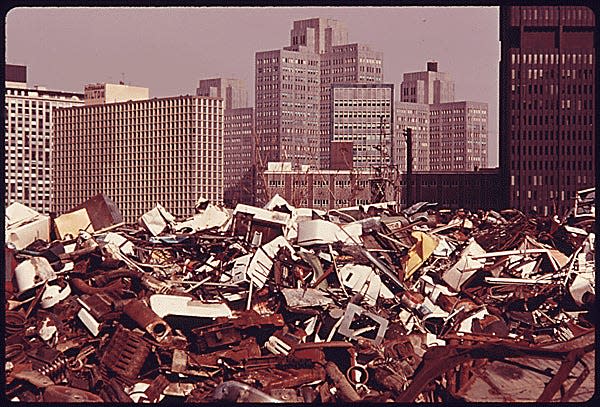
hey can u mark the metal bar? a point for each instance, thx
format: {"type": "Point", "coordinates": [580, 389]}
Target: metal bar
{"type": "Point", "coordinates": [554, 384]}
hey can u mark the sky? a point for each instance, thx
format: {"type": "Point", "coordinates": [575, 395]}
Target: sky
{"type": "Point", "coordinates": [169, 49]}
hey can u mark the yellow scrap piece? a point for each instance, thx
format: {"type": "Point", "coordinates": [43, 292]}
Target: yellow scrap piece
{"type": "Point", "coordinates": [420, 252]}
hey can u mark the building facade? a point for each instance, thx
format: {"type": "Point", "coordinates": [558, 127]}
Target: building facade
{"type": "Point", "coordinates": [239, 145]}
{"type": "Point", "coordinates": [448, 135]}
{"type": "Point", "coordinates": [140, 153]}
{"type": "Point", "coordinates": [239, 171]}
{"type": "Point", "coordinates": [28, 151]}
{"type": "Point", "coordinates": [363, 113]}
{"type": "Point", "coordinates": [293, 90]}
{"type": "Point", "coordinates": [318, 188]}
{"type": "Point", "coordinates": [415, 116]}
{"type": "Point", "coordinates": [547, 105]}
{"type": "Point", "coordinates": [101, 93]}
{"type": "Point", "coordinates": [458, 136]}
{"type": "Point", "coordinates": [333, 189]}
{"type": "Point", "coordinates": [233, 91]}
{"type": "Point", "coordinates": [428, 87]}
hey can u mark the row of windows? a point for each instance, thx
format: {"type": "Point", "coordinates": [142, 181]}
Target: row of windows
{"type": "Point", "coordinates": [553, 13]}
{"type": "Point", "coordinates": [549, 166]}
{"type": "Point", "coordinates": [551, 58]}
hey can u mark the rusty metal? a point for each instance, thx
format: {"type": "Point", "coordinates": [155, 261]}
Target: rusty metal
{"type": "Point", "coordinates": [282, 376]}
{"type": "Point", "coordinates": [217, 335]}
{"type": "Point", "coordinates": [566, 366]}
{"type": "Point", "coordinates": [85, 288]}
{"type": "Point", "coordinates": [15, 353]}
{"type": "Point", "coordinates": [113, 392]}
{"type": "Point", "coordinates": [156, 388]}
{"type": "Point", "coordinates": [14, 322]}
{"type": "Point", "coordinates": [126, 353]}
{"type": "Point", "coordinates": [345, 389]}
{"type": "Point", "coordinates": [423, 340]}
{"type": "Point", "coordinates": [147, 319]}
{"type": "Point", "coordinates": [246, 349]}
{"type": "Point", "coordinates": [440, 359]}
{"type": "Point", "coordinates": [66, 394]}
{"type": "Point", "coordinates": [103, 306]}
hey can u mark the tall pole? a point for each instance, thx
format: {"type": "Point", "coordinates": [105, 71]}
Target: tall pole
{"type": "Point", "coordinates": [409, 160]}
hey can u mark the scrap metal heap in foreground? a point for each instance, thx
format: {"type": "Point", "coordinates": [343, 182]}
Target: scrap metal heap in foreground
{"type": "Point", "coordinates": [284, 304]}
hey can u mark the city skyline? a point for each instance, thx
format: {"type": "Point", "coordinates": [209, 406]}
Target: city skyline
{"type": "Point", "coordinates": [161, 58]}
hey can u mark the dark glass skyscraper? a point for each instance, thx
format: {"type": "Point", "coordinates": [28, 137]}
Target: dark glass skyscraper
{"type": "Point", "coordinates": [547, 105]}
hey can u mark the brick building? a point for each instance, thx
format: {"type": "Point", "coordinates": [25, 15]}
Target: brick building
{"type": "Point", "coordinates": [332, 189]}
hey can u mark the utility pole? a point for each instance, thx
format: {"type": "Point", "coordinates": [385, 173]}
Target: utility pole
{"type": "Point", "coordinates": [409, 159]}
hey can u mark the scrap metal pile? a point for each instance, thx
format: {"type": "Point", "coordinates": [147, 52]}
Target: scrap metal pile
{"type": "Point", "coordinates": [284, 304]}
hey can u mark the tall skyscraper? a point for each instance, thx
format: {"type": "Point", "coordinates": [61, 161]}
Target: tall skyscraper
{"type": "Point", "coordinates": [140, 153]}
{"type": "Point", "coordinates": [458, 136]}
{"type": "Point", "coordinates": [239, 138]}
{"type": "Point", "coordinates": [416, 117]}
{"type": "Point", "coordinates": [29, 115]}
{"type": "Point", "coordinates": [293, 90]}
{"type": "Point", "coordinates": [239, 171]}
{"type": "Point", "coordinates": [363, 113]}
{"type": "Point", "coordinates": [547, 105]}
{"type": "Point", "coordinates": [454, 135]}
{"type": "Point", "coordinates": [101, 93]}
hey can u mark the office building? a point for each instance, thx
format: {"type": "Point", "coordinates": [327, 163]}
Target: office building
{"type": "Point", "coordinates": [101, 93]}
{"type": "Point", "coordinates": [458, 136]}
{"type": "Point", "coordinates": [428, 87]}
{"type": "Point", "coordinates": [293, 90]}
{"type": "Point", "coordinates": [416, 117]}
{"type": "Point", "coordinates": [166, 151]}
{"type": "Point", "coordinates": [547, 105]}
{"type": "Point", "coordinates": [232, 91]}
{"type": "Point", "coordinates": [448, 135]}
{"type": "Point", "coordinates": [239, 169]}
{"type": "Point", "coordinates": [363, 113]}
{"type": "Point", "coordinates": [28, 156]}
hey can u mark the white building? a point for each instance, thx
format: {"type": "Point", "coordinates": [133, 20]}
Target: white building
{"type": "Point", "coordinates": [140, 153]}
{"type": "Point", "coordinates": [29, 115]}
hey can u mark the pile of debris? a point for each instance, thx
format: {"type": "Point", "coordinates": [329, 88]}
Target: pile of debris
{"type": "Point", "coordinates": [285, 304]}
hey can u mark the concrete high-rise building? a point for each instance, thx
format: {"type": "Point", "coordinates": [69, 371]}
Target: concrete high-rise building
{"type": "Point", "coordinates": [448, 135]}
{"type": "Point", "coordinates": [101, 93]}
{"type": "Point", "coordinates": [28, 154]}
{"type": "Point", "coordinates": [547, 105]}
{"type": "Point", "coordinates": [415, 116]}
{"type": "Point", "coordinates": [232, 91]}
{"type": "Point", "coordinates": [239, 174]}
{"type": "Point", "coordinates": [363, 113]}
{"type": "Point", "coordinates": [293, 90]}
{"type": "Point", "coordinates": [166, 151]}
{"type": "Point", "coordinates": [428, 86]}
{"type": "Point", "coordinates": [239, 136]}
{"type": "Point", "coordinates": [458, 136]}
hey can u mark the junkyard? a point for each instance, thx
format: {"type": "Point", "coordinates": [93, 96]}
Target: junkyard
{"type": "Point", "coordinates": [283, 304]}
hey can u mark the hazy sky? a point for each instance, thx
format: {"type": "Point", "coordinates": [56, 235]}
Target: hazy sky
{"type": "Point", "coordinates": [169, 49]}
